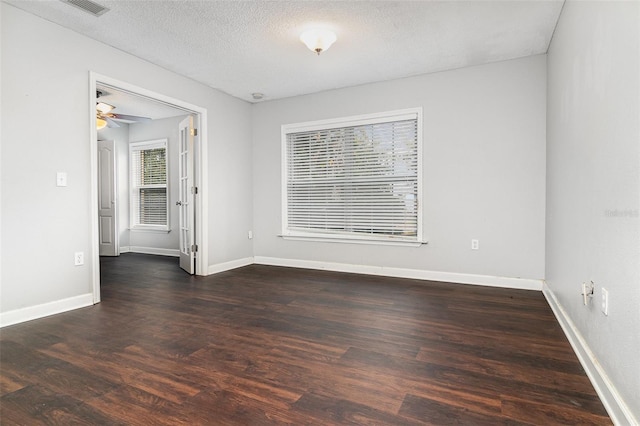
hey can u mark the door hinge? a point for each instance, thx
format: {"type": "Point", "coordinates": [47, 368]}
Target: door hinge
{"type": "Point", "coordinates": [194, 189]}
{"type": "Point", "coordinates": [194, 248]}
{"type": "Point", "coordinates": [194, 132]}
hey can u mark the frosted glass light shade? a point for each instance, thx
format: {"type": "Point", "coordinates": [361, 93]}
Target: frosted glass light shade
{"type": "Point", "coordinates": [104, 108]}
{"type": "Point", "coordinates": [318, 40]}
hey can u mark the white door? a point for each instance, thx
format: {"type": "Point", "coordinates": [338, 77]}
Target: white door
{"type": "Point", "coordinates": [186, 196]}
{"type": "Point", "coordinates": [108, 231]}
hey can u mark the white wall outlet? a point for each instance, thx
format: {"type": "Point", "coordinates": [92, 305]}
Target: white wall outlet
{"type": "Point", "coordinates": [605, 301]}
{"type": "Point", "coordinates": [475, 244]}
{"type": "Point", "coordinates": [61, 179]}
{"type": "Point", "coordinates": [79, 258]}
{"type": "Point", "coordinates": [250, 235]}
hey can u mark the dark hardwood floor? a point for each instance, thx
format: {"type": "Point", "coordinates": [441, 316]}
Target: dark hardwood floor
{"type": "Point", "coordinates": [270, 345]}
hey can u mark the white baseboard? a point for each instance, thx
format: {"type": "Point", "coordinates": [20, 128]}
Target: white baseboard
{"type": "Point", "coordinates": [150, 250]}
{"type": "Point", "coordinates": [226, 266]}
{"type": "Point", "coordinates": [614, 404]}
{"type": "Point", "coordinates": [44, 310]}
{"type": "Point", "coordinates": [452, 277]}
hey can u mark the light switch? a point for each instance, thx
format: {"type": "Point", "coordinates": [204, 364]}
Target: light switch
{"type": "Point", "coordinates": [61, 179]}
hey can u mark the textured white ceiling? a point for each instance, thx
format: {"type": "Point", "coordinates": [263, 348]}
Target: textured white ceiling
{"type": "Point", "coordinates": [241, 47]}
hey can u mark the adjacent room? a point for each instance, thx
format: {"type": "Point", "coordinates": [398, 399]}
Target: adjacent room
{"type": "Point", "coordinates": [354, 212]}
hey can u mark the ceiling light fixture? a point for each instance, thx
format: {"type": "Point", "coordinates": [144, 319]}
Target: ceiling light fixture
{"type": "Point", "coordinates": [318, 40]}
{"type": "Point", "coordinates": [101, 110]}
{"type": "Point", "coordinates": [104, 108]}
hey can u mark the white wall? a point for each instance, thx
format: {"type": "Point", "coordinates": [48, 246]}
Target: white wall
{"type": "Point", "coordinates": [484, 169]}
{"type": "Point", "coordinates": [593, 181]}
{"type": "Point", "coordinates": [45, 68]}
{"type": "Point", "coordinates": [230, 188]}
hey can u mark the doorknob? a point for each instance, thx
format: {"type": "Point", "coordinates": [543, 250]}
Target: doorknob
{"type": "Point", "coordinates": [178, 203]}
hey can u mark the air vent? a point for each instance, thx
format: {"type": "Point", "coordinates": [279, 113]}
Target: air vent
{"type": "Point", "coordinates": [88, 6]}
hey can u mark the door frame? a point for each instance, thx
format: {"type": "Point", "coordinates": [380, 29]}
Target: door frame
{"type": "Point", "coordinates": [200, 170]}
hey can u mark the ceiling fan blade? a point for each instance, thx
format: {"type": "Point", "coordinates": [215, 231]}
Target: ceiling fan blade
{"type": "Point", "coordinates": [128, 117]}
{"type": "Point", "coordinates": [111, 123]}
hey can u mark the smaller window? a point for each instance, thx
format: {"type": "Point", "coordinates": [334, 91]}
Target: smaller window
{"type": "Point", "coordinates": [148, 181]}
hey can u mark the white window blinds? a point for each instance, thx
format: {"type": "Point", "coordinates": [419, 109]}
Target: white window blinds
{"type": "Point", "coordinates": [148, 178]}
{"type": "Point", "coordinates": [354, 180]}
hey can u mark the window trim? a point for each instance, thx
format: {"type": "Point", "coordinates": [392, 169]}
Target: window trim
{"type": "Point", "coordinates": [142, 146]}
{"type": "Point", "coordinates": [352, 121]}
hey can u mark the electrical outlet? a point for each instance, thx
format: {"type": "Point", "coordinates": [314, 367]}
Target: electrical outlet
{"type": "Point", "coordinates": [61, 179]}
{"type": "Point", "coordinates": [79, 258]}
{"type": "Point", "coordinates": [605, 301]}
{"type": "Point", "coordinates": [475, 244]}
{"type": "Point", "coordinates": [250, 235]}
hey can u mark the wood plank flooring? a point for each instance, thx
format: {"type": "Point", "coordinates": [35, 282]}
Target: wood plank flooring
{"type": "Point", "coordinates": [268, 345]}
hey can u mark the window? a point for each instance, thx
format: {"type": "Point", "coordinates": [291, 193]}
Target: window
{"type": "Point", "coordinates": [356, 179]}
{"type": "Point", "coordinates": [148, 181]}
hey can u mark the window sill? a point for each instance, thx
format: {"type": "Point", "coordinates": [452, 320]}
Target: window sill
{"type": "Point", "coordinates": [158, 230]}
{"type": "Point", "coordinates": [347, 240]}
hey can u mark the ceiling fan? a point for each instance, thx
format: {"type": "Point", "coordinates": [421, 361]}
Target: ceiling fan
{"type": "Point", "coordinates": [106, 118]}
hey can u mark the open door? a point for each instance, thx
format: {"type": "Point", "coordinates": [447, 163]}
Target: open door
{"type": "Point", "coordinates": [186, 196]}
{"type": "Point", "coordinates": [107, 229]}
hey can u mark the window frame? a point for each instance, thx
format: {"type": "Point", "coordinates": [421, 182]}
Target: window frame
{"type": "Point", "coordinates": [353, 121]}
{"type": "Point", "coordinates": [133, 214]}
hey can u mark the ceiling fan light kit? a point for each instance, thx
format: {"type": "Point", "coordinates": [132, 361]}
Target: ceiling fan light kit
{"type": "Point", "coordinates": [104, 108]}
{"type": "Point", "coordinates": [318, 39]}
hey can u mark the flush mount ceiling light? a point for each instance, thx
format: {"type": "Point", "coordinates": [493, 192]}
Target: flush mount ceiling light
{"type": "Point", "coordinates": [104, 108]}
{"type": "Point", "coordinates": [318, 40]}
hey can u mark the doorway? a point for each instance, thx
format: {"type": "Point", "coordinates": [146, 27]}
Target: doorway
{"type": "Point", "coordinates": [197, 190]}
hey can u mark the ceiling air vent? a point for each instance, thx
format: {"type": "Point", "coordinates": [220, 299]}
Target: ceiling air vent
{"type": "Point", "coordinates": [88, 6]}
